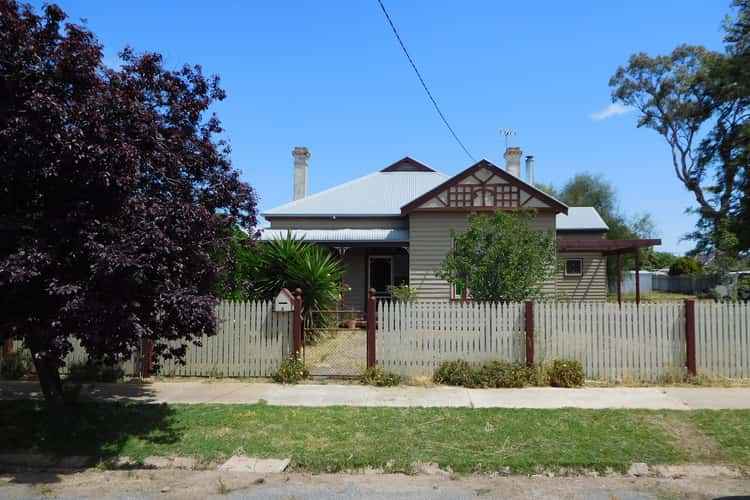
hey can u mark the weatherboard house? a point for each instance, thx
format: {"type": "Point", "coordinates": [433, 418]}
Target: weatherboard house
{"type": "Point", "coordinates": [394, 226]}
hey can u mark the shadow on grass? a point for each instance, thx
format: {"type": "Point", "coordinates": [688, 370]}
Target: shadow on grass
{"type": "Point", "coordinates": [97, 427]}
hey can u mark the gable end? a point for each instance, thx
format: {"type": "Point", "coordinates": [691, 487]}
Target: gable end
{"type": "Point", "coordinates": [407, 164]}
{"type": "Point", "coordinates": [484, 187]}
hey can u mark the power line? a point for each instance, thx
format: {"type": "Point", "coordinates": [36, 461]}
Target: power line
{"type": "Point", "coordinates": [421, 80]}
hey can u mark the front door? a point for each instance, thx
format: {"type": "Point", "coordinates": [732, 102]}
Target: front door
{"type": "Point", "coordinates": [381, 274]}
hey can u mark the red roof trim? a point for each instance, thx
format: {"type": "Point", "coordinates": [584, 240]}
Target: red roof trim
{"type": "Point", "coordinates": [606, 246]}
{"type": "Point", "coordinates": [418, 166]}
{"type": "Point", "coordinates": [511, 179]}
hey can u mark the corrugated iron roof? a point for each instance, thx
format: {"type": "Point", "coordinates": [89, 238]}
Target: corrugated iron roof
{"type": "Point", "coordinates": [581, 219]}
{"type": "Point", "coordinates": [377, 194]}
{"type": "Point", "coordinates": [339, 235]}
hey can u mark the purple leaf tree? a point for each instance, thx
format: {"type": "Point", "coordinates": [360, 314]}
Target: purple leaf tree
{"type": "Point", "coordinates": [115, 196]}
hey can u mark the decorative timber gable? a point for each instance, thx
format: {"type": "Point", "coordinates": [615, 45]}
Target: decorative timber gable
{"type": "Point", "coordinates": [484, 187]}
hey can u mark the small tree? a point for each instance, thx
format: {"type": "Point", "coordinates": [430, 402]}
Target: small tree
{"type": "Point", "coordinates": [500, 257]}
{"type": "Point", "coordinates": [685, 266]}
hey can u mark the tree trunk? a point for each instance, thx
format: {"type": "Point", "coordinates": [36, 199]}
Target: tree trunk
{"type": "Point", "coordinates": [49, 378]}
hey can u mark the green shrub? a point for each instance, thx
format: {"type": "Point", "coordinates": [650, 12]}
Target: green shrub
{"type": "Point", "coordinates": [15, 365]}
{"type": "Point", "coordinates": [376, 376]}
{"type": "Point", "coordinates": [565, 373]}
{"type": "Point", "coordinates": [685, 266]}
{"type": "Point", "coordinates": [95, 371]}
{"type": "Point", "coordinates": [403, 292]}
{"type": "Point", "coordinates": [291, 370]}
{"type": "Point", "coordinates": [503, 374]}
{"type": "Point", "coordinates": [457, 372]}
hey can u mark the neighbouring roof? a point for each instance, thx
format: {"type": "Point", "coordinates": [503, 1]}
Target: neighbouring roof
{"type": "Point", "coordinates": [581, 219]}
{"type": "Point", "coordinates": [339, 235]}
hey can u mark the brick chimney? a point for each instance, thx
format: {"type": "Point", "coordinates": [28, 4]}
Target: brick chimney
{"type": "Point", "coordinates": [301, 155]}
{"type": "Point", "coordinates": [513, 160]}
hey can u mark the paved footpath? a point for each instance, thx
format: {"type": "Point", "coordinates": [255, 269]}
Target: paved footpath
{"type": "Point", "coordinates": [231, 392]}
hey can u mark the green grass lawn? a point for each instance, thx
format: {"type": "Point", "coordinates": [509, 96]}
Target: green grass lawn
{"type": "Point", "coordinates": [330, 439]}
{"type": "Point", "coordinates": [654, 296]}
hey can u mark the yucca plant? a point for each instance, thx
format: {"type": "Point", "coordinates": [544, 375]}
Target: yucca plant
{"type": "Point", "coordinates": [292, 263]}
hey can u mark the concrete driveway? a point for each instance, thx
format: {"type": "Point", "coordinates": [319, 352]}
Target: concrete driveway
{"type": "Point", "coordinates": [231, 392]}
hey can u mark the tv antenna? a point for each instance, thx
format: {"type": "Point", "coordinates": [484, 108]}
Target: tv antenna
{"type": "Point", "coordinates": [507, 133]}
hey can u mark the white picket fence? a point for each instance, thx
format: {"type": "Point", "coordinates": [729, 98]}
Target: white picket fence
{"type": "Point", "coordinates": [722, 338]}
{"type": "Point", "coordinates": [628, 342]}
{"type": "Point", "coordinates": [413, 339]}
{"type": "Point", "coordinates": [251, 342]}
{"type": "Point", "coordinates": [638, 343]}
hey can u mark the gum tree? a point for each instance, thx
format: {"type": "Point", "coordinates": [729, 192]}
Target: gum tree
{"type": "Point", "coordinates": [115, 195]}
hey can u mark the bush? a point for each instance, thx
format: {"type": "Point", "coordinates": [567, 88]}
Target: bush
{"type": "Point", "coordinates": [403, 292]}
{"type": "Point", "coordinates": [292, 263]}
{"type": "Point", "coordinates": [457, 372]}
{"type": "Point", "coordinates": [376, 376]}
{"type": "Point", "coordinates": [503, 374]}
{"type": "Point", "coordinates": [565, 373]}
{"type": "Point", "coordinates": [291, 370]}
{"type": "Point", "coordinates": [95, 371]}
{"type": "Point", "coordinates": [15, 365]}
{"type": "Point", "coordinates": [685, 266]}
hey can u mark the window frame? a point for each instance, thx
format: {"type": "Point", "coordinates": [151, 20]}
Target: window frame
{"type": "Point", "coordinates": [580, 264]}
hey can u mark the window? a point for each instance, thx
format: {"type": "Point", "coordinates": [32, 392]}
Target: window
{"type": "Point", "coordinates": [457, 290]}
{"type": "Point", "coordinates": [573, 267]}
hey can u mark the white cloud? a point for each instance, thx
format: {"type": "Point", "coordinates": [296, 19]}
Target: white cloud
{"type": "Point", "coordinates": [613, 109]}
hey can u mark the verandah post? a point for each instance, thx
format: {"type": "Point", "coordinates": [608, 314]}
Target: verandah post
{"type": "Point", "coordinates": [297, 323]}
{"type": "Point", "coordinates": [690, 337]}
{"type": "Point", "coordinates": [372, 313]}
{"type": "Point", "coordinates": [529, 327]}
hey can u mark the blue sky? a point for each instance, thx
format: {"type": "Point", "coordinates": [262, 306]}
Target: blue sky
{"type": "Point", "coordinates": [329, 75]}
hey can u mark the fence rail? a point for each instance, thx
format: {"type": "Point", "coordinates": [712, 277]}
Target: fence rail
{"type": "Point", "coordinates": [251, 341]}
{"type": "Point", "coordinates": [639, 343]}
{"type": "Point", "coordinates": [723, 339]}
{"type": "Point", "coordinates": [645, 342]}
{"type": "Point", "coordinates": [413, 339]}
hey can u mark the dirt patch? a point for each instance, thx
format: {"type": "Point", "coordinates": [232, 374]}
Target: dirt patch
{"type": "Point", "coordinates": [687, 437]}
{"type": "Point", "coordinates": [201, 484]}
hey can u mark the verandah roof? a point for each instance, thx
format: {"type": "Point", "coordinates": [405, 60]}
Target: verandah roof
{"type": "Point", "coordinates": [607, 247]}
{"type": "Point", "coordinates": [400, 236]}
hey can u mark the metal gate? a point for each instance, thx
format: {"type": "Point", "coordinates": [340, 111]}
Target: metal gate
{"type": "Point", "coordinates": [334, 343]}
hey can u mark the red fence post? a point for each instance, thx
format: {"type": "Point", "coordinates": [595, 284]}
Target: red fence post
{"type": "Point", "coordinates": [371, 328]}
{"type": "Point", "coordinates": [529, 314]}
{"type": "Point", "coordinates": [7, 347]}
{"type": "Point", "coordinates": [690, 337]}
{"type": "Point", "coordinates": [149, 368]}
{"type": "Point", "coordinates": [297, 324]}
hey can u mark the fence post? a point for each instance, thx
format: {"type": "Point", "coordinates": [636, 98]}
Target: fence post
{"type": "Point", "coordinates": [371, 327]}
{"type": "Point", "coordinates": [529, 315]}
{"type": "Point", "coordinates": [297, 324]}
{"type": "Point", "coordinates": [149, 365]}
{"type": "Point", "coordinates": [690, 337]}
